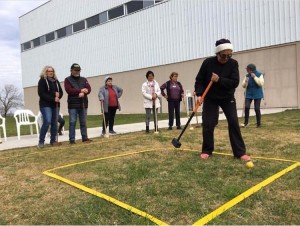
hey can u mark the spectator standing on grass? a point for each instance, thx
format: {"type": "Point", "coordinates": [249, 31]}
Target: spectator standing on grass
{"type": "Point", "coordinates": [50, 93]}
{"type": "Point", "coordinates": [109, 95]}
{"type": "Point", "coordinates": [77, 88]}
{"type": "Point", "coordinates": [224, 72]}
{"type": "Point", "coordinates": [174, 96]}
{"type": "Point", "coordinates": [253, 83]}
{"type": "Point", "coordinates": [151, 92]}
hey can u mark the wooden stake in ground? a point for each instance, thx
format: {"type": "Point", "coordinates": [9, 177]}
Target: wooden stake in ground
{"type": "Point", "coordinates": [155, 116]}
{"type": "Point", "coordinates": [104, 120]}
{"type": "Point", "coordinates": [187, 113]}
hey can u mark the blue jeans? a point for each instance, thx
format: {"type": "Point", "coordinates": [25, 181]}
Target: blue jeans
{"type": "Point", "coordinates": [72, 123]}
{"type": "Point", "coordinates": [49, 118]}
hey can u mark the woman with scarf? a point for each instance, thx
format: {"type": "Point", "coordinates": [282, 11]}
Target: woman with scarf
{"type": "Point", "coordinates": [50, 93]}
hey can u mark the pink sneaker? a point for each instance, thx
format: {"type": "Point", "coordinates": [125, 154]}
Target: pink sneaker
{"type": "Point", "coordinates": [245, 158]}
{"type": "Point", "coordinates": [204, 156]}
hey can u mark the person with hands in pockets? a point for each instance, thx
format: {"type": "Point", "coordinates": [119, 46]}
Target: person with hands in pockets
{"type": "Point", "coordinates": [151, 93]}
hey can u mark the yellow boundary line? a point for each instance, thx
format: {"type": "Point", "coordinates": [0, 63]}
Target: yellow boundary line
{"type": "Point", "coordinates": [203, 220]}
{"type": "Point", "coordinates": [108, 198]}
{"type": "Point", "coordinates": [102, 195]}
{"type": "Point", "coordinates": [244, 195]}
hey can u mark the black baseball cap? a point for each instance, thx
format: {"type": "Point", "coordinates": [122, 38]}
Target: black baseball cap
{"type": "Point", "coordinates": [75, 67]}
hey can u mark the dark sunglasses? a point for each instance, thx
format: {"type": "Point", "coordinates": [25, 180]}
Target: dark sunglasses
{"type": "Point", "coordinates": [225, 56]}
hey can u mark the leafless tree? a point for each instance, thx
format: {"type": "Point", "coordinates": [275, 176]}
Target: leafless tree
{"type": "Point", "coordinates": [11, 98]}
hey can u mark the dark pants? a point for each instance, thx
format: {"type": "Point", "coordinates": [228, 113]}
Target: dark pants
{"type": "Point", "coordinates": [61, 122]}
{"type": "Point", "coordinates": [174, 106]}
{"type": "Point", "coordinates": [209, 119]}
{"type": "Point", "coordinates": [256, 109]}
{"type": "Point", "coordinates": [109, 118]}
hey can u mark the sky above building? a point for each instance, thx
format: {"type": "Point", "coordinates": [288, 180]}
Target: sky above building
{"type": "Point", "coordinates": [10, 57]}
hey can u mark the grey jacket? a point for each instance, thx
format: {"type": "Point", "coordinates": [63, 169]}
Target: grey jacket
{"type": "Point", "coordinates": [103, 96]}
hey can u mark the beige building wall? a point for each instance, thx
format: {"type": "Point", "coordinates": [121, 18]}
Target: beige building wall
{"type": "Point", "coordinates": [280, 64]}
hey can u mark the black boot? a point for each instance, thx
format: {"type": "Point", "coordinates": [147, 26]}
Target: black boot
{"type": "Point", "coordinates": [258, 117]}
{"type": "Point", "coordinates": [247, 111]}
{"type": "Point", "coordinates": [59, 129]}
{"type": "Point", "coordinates": [147, 129]}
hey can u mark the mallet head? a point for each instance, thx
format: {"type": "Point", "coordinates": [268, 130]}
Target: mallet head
{"type": "Point", "coordinates": [176, 143]}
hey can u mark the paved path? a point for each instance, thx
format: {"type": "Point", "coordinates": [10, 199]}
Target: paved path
{"type": "Point", "coordinates": [32, 140]}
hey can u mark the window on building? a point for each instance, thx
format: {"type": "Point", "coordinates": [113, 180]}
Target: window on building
{"type": "Point", "coordinates": [61, 32]}
{"type": "Point", "coordinates": [36, 42]}
{"type": "Point", "coordinates": [79, 26]}
{"type": "Point", "coordinates": [103, 17]}
{"type": "Point", "coordinates": [26, 45]}
{"type": "Point", "coordinates": [69, 30]}
{"type": "Point", "coordinates": [134, 6]}
{"type": "Point", "coordinates": [50, 37]}
{"type": "Point", "coordinates": [147, 3]}
{"type": "Point", "coordinates": [130, 7]}
{"type": "Point", "coordinates": [43, 39]}
{"type": "Point", "coordinates": [116, 12]}
{"type": "Point", "coordinates": [93, 21]}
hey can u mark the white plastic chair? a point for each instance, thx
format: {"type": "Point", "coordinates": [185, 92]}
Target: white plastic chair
{"type": "Point", "coordinates": [3, 127]}
{"type": "Point", "coordinates": [22, 118]}
{"type": "Point", "coordinates": [40, 121]}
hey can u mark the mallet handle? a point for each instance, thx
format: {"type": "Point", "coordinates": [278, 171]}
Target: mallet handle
{"type": "Point", "coordinates": [196, 108]}
{"type": "Point", "coordinates": [203, 96]}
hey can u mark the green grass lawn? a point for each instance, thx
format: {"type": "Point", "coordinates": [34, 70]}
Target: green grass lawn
{"type": "Point", "coordinates": [146, 172]}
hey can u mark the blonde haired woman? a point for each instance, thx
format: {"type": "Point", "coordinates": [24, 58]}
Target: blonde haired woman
{"type": "Point", "coordinates": [50, 93]}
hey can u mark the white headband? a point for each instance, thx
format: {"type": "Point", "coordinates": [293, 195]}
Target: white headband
{"type": "Point", "coordinates": [224, 46]}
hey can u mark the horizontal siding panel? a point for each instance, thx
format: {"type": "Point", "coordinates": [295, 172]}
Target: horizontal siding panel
{"type": "Point", "coordinates": [171, 32]}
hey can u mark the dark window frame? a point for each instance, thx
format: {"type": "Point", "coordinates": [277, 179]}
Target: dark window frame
{"type": "Point", "coordinates": [134, 6]}
{"type": "Point", "coordinates": [79, 26]}
{"type": "Point", "coordinates": [116, 11]}
{"type": "Point", "coordinates": [103, 17]}
{"type": "Point", "coordinates": [93, 21]}
{"type": "Point", "coordinates": [26, 43]}
{"type": "Point", "coordinates": [61, 32]}
{"type": "Point", "coordinates": [50, 36]}
{"type": "Point", "coordinates": [36, 42]}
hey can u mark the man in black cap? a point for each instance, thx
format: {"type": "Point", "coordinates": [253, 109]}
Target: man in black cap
{"type": "Point", "coordinates": [253, 83]}
{"type": "Point", "coordinates": [223, 71]}
{"type": "Point", "coordinates": [77, 88]}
